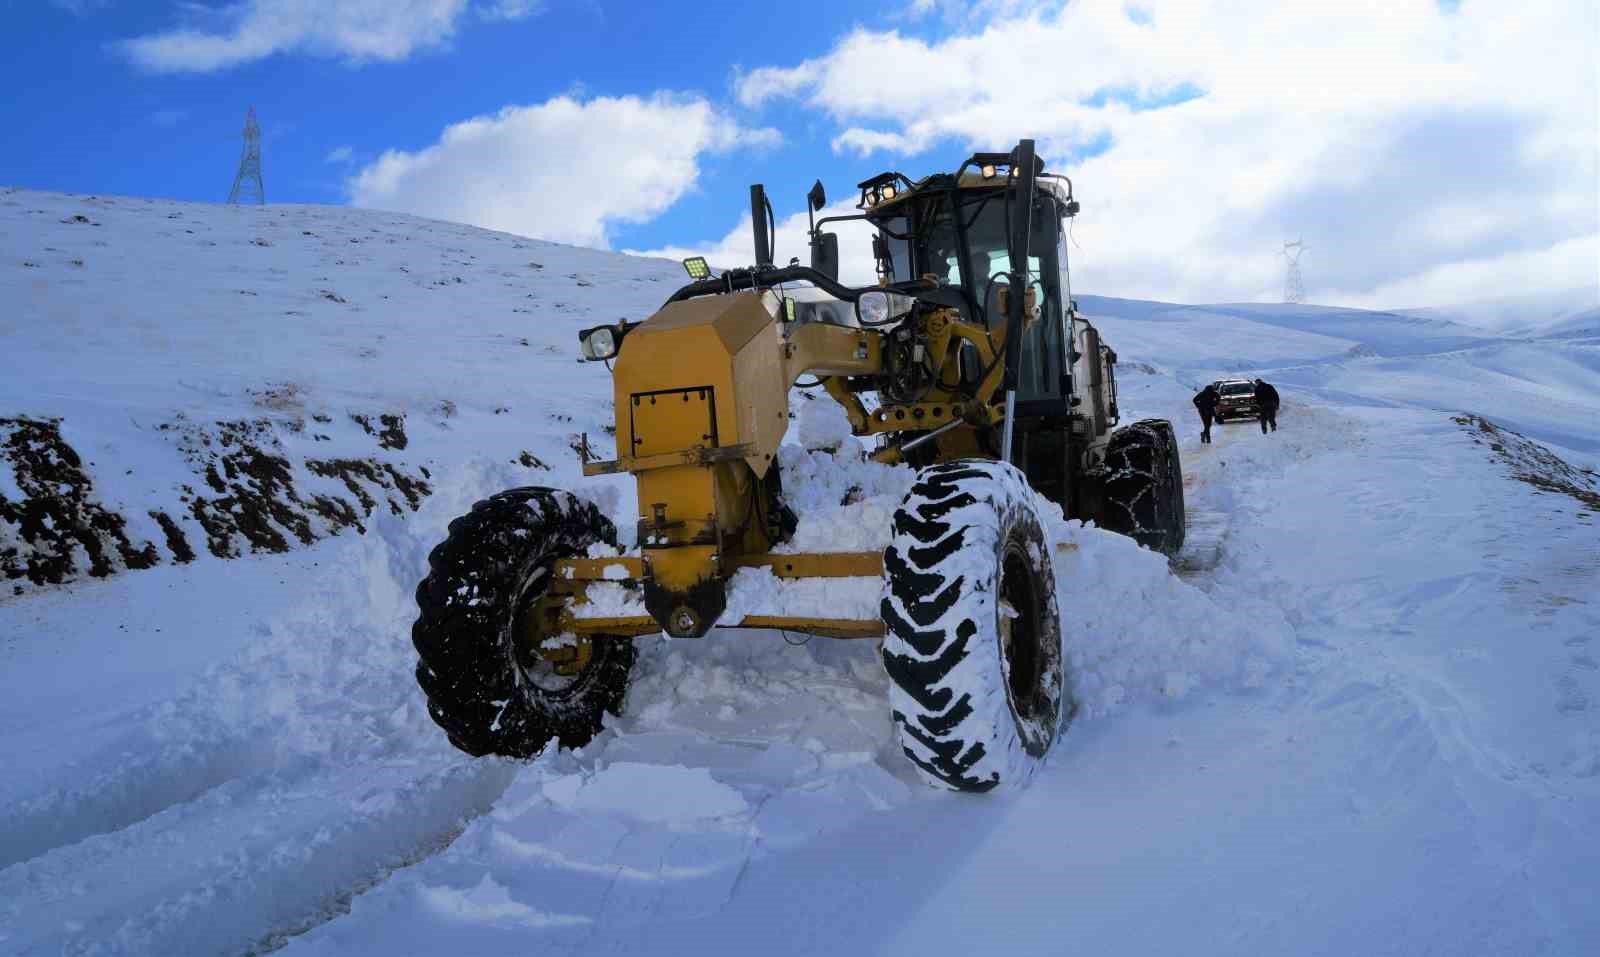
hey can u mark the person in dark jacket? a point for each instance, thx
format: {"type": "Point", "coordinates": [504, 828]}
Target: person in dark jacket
{"type": "Point", "coordinates": [1267, 405]}
{"type": "Point", "coordinates": [1206, 401]}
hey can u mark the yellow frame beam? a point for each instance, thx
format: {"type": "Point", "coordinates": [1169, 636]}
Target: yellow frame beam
{"type": "Point", "coordinates": [572, 573]}
{"type": "Point", "coordinates": [634, 626]}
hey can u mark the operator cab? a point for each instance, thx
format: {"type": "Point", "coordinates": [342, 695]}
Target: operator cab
{"type": "Point", "coordinates": [954, 230]}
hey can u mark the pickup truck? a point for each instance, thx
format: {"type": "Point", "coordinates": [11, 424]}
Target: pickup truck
{"type": "Point", "coordinates": [1236, 399]}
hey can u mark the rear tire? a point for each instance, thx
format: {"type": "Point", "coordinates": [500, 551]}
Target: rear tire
{"type": "Point", "coordinates": [973, 635]}
{"type": "Point", "coordinates": [487, 687]}
{"type": "Point", "coordinates": [1144, 486]}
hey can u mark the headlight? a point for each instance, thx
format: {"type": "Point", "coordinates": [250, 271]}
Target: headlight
{"type": "Point", "coordinates": [598, 343]}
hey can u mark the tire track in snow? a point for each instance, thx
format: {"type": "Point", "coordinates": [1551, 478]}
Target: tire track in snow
{"type": "Point", "coordinates": [164, 775]}
{"type": "Point", "coordinates": [258, 802]}
{"type": "Point", "coordinates": [228, 870]}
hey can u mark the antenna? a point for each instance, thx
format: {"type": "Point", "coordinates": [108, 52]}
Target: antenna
{"type": "Point", "coordinates": [1293, 289]}
{"type": "Point", "coordinates": [247, 182]}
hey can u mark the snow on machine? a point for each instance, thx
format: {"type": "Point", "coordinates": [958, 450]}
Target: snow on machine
{"type": "Point", "coordinates": [968, 361]}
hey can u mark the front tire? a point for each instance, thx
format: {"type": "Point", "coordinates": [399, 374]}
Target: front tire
{"type": "Point", "coordinates": [1144, 486]}
{"type": "Point", "coordinates": [973, 635]}
{"type": "Point", "coordinates": [496, 681]}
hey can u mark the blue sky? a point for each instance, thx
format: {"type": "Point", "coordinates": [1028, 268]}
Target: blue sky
{"type": "Point", "coordinates": [1428, 152]}
{"type": "Point", "coordinates": [93, 121]}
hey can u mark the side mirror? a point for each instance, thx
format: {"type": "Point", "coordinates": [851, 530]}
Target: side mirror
{"type": "Point", "coordinates": [825, 254]}
{"type": "Point", "coordinates": [817, 197]}
{"type": "Point", "coordinates": [878, 307]}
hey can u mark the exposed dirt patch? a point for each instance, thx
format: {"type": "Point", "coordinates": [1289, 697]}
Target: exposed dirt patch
{"type": "Point", "coordinates": [1532, 463]}
{"type": "Point", "coordinates": [56, 529]}
{"type": "Point", "coordinates": [260, 507]}
{"type": "Point", "coordinates": [250, 493]}
{"type": "Point", "coordinates": [256, 498]}
{"type": "Point", "coordinates": [279, 397]}
{"type": "Point", "coordinates": [352, 472]}
{"type": "Point", "coordinates": [390, 431]}
{"type": "Point", "coordinates": [177, 542]}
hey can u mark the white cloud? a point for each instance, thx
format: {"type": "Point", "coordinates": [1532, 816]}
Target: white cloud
{"type": "Point", "coordinates": [1415, 145]}
{"type": "Point", "coordinates": [509, 9]}
{"type": "Point", "coordinates": [339, 154]}
{"type": "Point", "coordinates": [566, 169]}
{"type": "Point", "coordinates": [214, 38]}
{"type": "Point", "coordinates": [1568, 265]}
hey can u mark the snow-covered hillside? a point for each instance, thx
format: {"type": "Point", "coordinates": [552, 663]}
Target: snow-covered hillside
{"type": "Point", "coordinates": [232, 379]}
{"type": "Point", "coordinates": [1360, 714]}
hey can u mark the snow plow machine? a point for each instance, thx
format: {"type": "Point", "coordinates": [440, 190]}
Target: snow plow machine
{"type": "Point", "coordinates": [967, 361]}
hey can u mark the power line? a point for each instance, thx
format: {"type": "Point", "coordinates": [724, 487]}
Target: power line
{"type": "Point", "coordinates": [247, 182]}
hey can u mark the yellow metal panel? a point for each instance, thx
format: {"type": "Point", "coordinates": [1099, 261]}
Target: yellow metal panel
{"type": "Point", "coordinates": [645, 463]}
{"type": "Point", "coordinates": [626, 627]}
{"type": "Point", "coordinates": [672, 421]}
{"type": "Point", "coordinates": [925, 415]}
{"type": "Point", "coordinates": [761, 396]}
{"type": "Point", "coordinates": [595, 569]}
{"type": "Point", "coordinates": [823, 349]}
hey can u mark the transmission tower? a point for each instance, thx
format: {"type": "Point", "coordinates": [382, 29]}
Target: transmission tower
{"type": "Point", "coordinates": [247, 182]}
{"type": "Point", "coordinates": [1293, 289]}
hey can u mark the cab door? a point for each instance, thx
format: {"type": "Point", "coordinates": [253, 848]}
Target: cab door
{"type": "Point", "coordinates": [1043, 435]}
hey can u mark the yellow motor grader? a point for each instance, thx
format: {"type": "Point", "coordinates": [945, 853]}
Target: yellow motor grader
{"type": "Point", "coordinates": [967, 361]}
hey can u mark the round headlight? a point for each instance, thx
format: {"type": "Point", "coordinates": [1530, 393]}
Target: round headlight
{"type": "Point", "coordinates": [599, 344]}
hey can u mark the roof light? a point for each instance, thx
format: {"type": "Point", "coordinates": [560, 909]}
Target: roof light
{"type": "Point", "coordinates": [988, 172]}
{"type": "Point", "coordinates": [888, 192]}
{"type": "Point", "coordinates": [697, 268]}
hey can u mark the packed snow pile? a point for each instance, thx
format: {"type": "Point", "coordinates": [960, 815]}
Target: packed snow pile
{"type": "Point", "coordinates": [1133, 630]}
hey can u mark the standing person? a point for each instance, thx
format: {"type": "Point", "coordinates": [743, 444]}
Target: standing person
{"type": "Point", "coordinates": [1206, 401]}
{"type": "Point", "coordinates": [1267, 405]}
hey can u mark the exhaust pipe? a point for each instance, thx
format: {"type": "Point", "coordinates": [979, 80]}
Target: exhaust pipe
{"type": "Point", "coordinates": [760, 211]}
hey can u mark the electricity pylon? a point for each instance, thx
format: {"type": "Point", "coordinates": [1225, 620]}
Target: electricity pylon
{"type": "Point", "coordinates": [247, 182]}
{"type": "Point", "coordinates": [1293, 289]}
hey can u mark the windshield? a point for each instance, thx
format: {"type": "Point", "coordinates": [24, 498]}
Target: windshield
{"type": "Point", "coordinates": [1238, 388]}
{"type": "Point", "coordinates": [932, 245]}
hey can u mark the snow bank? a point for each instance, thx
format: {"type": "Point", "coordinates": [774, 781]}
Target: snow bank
{"type": "Point", "coordinates": [296, 769]}
{"type": "Point", "coordinates": [1132, 630]}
